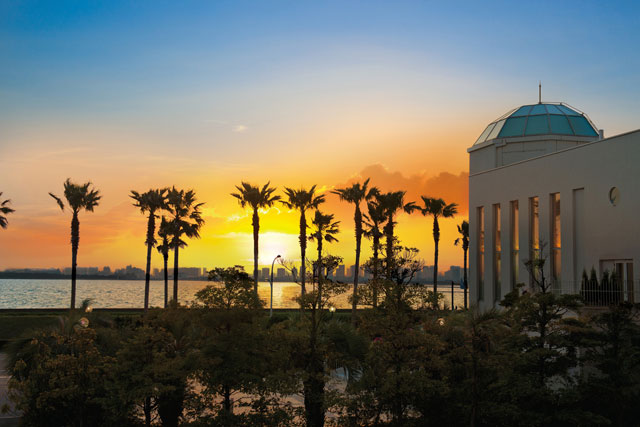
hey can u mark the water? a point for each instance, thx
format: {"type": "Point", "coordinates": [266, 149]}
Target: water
{"type": "Point", "coordinates": [46, 293]}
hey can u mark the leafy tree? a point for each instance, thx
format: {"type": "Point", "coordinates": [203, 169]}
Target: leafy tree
{"type": "Point", "coordinates": [302, 200]}
{"type": "Point", "coordinates": [164, 232]}
{"type": "Point", "coordinates": [463, 229]}
{"type": "Point", "coordinates": [63, 381]}
{"type": "Point", "coordinates": [4, 210]}
{"type": "Point", "coordinates": [78, 197]}
{"type": "Point", "coordinates": [612, 366]}
{"type": "Point", "coordinates": [150, 202]}
{"type": "Point", "coordinates": [256, 198]}
{"type": "Point", "coordinates": [356, 194]}
{"type": "Point", "coordinates": [186, 220]}
{"type": "Point", "coordinates": [437, 208]}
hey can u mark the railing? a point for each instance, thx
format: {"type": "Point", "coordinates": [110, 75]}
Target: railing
{"type": "Point", "coordinates": [601, 293]}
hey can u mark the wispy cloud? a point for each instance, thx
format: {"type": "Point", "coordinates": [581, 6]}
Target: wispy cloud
{"type": "Point", "coordinates": [240, 128]}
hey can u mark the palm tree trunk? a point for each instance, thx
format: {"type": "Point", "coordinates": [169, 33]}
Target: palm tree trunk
{"type": "Point", "coordinates": [376, 246]}
{"type": "Point", "coordinates": [319, 268]}
{"type": "Point", "coordinates": [175, 274]}
{"type": "Point", "coordinates": [389, 242]}
{"type": "Point", "coordinates": [464, 277]}
{"type": "Point", "coordinates": [303, 249]}
{"type": "Point", "coordinates": [75, 242]}
{"type": "Point", "coordinates": [151, 229]}
{"type": "Point", "coordinates": [166, 278]}
{"type": "Point", "coordinates": [256, 235]}
{"type": "Point", "coordinates": [358, 223]}
{"type": "Point", "coordinates": [436, 239]}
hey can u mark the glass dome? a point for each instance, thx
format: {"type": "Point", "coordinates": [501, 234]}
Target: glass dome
{"type": "Point", "coordinates": [539, 119]}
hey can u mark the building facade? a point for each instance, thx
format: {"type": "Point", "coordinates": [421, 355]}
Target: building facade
{"type": "Point", "coordinates": [544, 183]}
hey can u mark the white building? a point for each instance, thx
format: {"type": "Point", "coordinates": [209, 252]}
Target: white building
{"type": "Point", "coordinates": [541, 176]}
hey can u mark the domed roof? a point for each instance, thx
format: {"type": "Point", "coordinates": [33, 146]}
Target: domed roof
{"type": "Point", "coordinates": [539, 119]}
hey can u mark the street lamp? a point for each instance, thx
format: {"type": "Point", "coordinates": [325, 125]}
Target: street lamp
{"type": "Point", "coordinates": [271, 284]}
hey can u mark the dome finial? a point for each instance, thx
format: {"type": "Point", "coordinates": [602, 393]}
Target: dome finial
{"type": "Point", "coordinates": [539, 92]}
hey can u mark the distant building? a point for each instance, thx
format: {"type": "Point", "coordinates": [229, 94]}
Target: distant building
{"type": "Point", "coordinates": [282, 274]}
{"type": "Point", "coordinates": [266, 273]}
{"type": "Point", "coordinates": [339, 272]}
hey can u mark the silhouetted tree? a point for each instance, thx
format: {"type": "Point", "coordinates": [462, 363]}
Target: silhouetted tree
{"type": "Point", "coordinates": [391, 203]}
{"type": "Point", "coordinates": [4, 210]}
{"type": "Point", "coordinates": [356, 194]}
{"type": "Point", "coordinates": [374, 220]}
{"type": "Point", "coordinates": [463, 229]}
{"type": "Point", "coordinates": [78, 197]}
{"type": "Point", "coordinates": [256, 198]}
{"type": "Point", "coordinates": [164, 232]}
{"type": "Point", "coordinates": [324, 229]}
{"type": "Point", "coordinates": [151, 202]}
{"type": "Point", "coordinates": [437, 208]}
{"type": "Point", "coordinates": [186, 220]}
{"type": "Point", "coordinates": [302, 200]}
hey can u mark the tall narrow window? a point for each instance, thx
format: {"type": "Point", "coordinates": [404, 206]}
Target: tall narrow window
{"type": "Point", "coordinates": [515, 243]}
{"type": "Point", "coordinates": [534, 231]}
{"type": "Point", "coordinates": [480, 269]}
{"type": "Point", "coordinates": [497, 249]}
{"type": "Point", "coordinates": [556, 243]}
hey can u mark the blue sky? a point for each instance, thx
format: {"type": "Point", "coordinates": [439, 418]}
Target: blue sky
{"type": "Point", "coordinates": [134, 94]}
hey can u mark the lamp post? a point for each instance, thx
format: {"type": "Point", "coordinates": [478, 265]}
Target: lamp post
{"type": "Point", "coordinates": [271, 285]}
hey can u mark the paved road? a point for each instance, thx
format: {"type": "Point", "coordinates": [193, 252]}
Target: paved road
{"type": "Point", "coordinates": [6, 420]}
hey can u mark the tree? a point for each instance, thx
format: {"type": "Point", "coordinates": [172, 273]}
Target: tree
{"type": "Point", "coordinates": [151, 202]}
{"type": "Point", "coordinates": [437, 208]}
{"type": "Point", "coordinates": [463, 229]}
{"type": "Point", "coordinates": [373, 221]}
{"type": "Point", "coordinates": [302, 200]}
{"type": "Point", "coordinates": [186, 220]}
{"type": "Point", "coordinates": [391, 203]}
{"type": "Point", "coordinates": [356, 194]}
{"type": "Point", "coordinates": [164, 232]}
{"type": "Point", "coordinates": [256, 198]}
{"type": "Point", "coordinates": [78, 197]}
{"type": "Point", "coordinates": [4, 210]}
{"type": "Point", "coordinates": [325, 229]}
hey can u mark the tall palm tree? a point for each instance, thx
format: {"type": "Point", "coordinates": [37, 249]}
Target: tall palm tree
{"type": "Point", "coordinates": [186, 220]}
{"type": "Point", "coordinates": [302, 200]}
{"type": "Point", "coordinates": [4, 210]}
{"type": "Point", "coordinates": [256, 198]}
{"type": "Point", "coordinates": [374, 220]}
{"type": "Point", "coordinates": [437, 208]}
{"type": "Point", "coordinates": [164, 232]}
{"type": "Point", "coordinates": [150, 202]}
{"type": "Point", "coordinates": [324, 230]}
{"type": "Point", "coordinates": [392, 203]}
{"type": "Point", "coordinates": [463, 229]}
{"type": "Point", "coordinates": [78, 197]}
{"type": "Point", "coordinates": [356, 194]}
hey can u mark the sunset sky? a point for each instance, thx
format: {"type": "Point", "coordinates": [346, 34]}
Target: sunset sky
{"type": "Point", "coordinates": [202, 95]}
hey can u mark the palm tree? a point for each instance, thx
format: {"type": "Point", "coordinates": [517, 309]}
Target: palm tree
{"type": "Point", "coordinates": [256, 198]}
{"type": "Point", "coordinates": [4, 210]}
{"type": "Point", "coordinates": [374, 220]}
{"type": "Point", "coordinates": [151, 202]}
{"type": "Point", "coordinates": [186, 220]}
{"type": "Point", "coordinates": [437, 208]}
{"type": "Point", "coordinates": [356, 194]}
{"type": "Point", "coordinates": [164, 232]}
{"type": "Point", "coordinates": [391, 203]}
{"type": "Point", "coordinates": [78, 197]}
{"type": "Point", "coordinates": [325, 229]}
{"type": "Point", "coordinates": [302, 200]}
{"type": "Point", "coordinates": [463, 229]}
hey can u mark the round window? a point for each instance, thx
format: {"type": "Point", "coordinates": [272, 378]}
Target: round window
{"type": "Point", "coordinates": [614, 196]}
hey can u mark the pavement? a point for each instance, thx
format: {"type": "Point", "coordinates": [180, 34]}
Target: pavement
{"type": "Point", "coordinates": [9, 419]}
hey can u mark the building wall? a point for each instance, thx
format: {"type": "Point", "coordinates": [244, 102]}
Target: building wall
{"type": "Point", "coordinates": [592, 229]}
